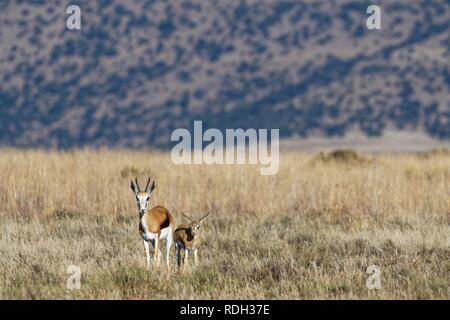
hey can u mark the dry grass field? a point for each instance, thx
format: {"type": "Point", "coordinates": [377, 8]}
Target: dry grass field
{"type": "Point", "coordinates": [309, 232]}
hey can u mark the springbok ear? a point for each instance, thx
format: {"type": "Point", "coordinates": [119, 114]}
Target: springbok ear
{"type": "Point", "coordinates": [204, 217]}
{"type": "Point", "coordinates": [133, 187]}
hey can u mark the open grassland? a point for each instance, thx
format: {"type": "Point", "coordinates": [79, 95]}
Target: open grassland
{"type": "Point", "coordinates": [311, 231]}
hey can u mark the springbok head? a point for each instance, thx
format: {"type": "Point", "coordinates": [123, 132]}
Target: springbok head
{"type": "Point", "coordinates": [142, 196]}
{"type": "Point", "coordinates": [195, 224]}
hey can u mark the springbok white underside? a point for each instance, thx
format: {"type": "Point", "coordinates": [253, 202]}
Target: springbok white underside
{"type": "Point", "coordinates": [149, 236]}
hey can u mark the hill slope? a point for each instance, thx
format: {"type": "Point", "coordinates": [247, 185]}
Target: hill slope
{"type": "Point", "coordinates": [139, 69]}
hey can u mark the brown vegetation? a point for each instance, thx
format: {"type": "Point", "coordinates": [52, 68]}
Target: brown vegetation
{"type": "Point", "coordinates": [307, 232]}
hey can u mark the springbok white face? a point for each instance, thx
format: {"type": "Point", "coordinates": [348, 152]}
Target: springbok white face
{"type": "Point", "coordinates": [142, 197]}
{"type": "Point", "coordinates": [195, 224]}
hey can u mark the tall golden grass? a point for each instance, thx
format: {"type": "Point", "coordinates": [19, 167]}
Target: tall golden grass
{"type": "Point", "coordinates": [309, 232]}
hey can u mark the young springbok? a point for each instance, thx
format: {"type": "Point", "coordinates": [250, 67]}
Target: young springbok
{"type": "Point", "coordinates": [154, 224]}
{"type": "Point", "coordinates": [186, 239]}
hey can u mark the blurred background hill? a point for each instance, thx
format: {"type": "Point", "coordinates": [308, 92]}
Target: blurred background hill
{"type": "Point", "coordinates": [137, 70]}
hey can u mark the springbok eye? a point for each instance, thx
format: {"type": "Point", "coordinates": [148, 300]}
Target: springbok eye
{"type": "Point", "coordinates": [148, 198]}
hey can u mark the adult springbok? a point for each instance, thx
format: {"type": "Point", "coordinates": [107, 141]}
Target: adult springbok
{"type": "Point", "coordinates": [154, 224]}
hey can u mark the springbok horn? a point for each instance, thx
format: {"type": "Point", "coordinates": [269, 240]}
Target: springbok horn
{"type": "Point", "coordinates": [148, 183]}
{"type": "Point", "coordinates": [152, 187]}
{"type": "Point", "coordinates": [137, 184]}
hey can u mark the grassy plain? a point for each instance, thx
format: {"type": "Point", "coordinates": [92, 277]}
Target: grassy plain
{"type": "Point", "coordinates": [309, 232]}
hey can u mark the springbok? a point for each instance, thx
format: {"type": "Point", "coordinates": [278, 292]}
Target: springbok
{"type": "Point", "coordinates": [154, 224]}
{"type": "Point", "coordinates": [186, 239]}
